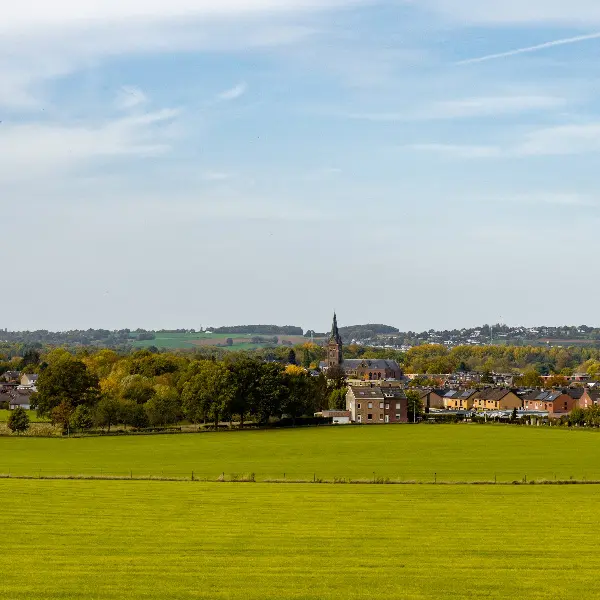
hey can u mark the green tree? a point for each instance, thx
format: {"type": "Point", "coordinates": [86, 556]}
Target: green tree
{"type": "Point", "coordinates": [133, 414]}
{"type": "Point", "coordinates": [82, 418]}
{"type": "Point", "coordinates": [245, 375]}
{"type": "Point", "coordinates": [337, 399]}
{"type": "Point", "coordinates": [18, 421]}
{"type": "Point", "coordinates": [271, 391]}
{"type": "Point", "coordinates": [61, 415]}
{"type": "Point", "coordinates": [65, 380]}
{"type": "Point", "coordinates": [208, 394]}
{"type": "Point", "coordinates": [531, 378]}
{"type": "Point", "coordinates": [336, 377]}
{"type": "Point", "coordinates": [107, 412]}
{"type": "Point", "coordinates": [165, 407]}
{"type": "Point", "coordinates": [138, 388]}
{"type": "Point", "coordinates": [415, 405]}
{"type": "Point", "coordinates": [298, 400]}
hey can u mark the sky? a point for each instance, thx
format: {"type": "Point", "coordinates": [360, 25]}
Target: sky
{"type": "Point", "coordinates": [190, 163]}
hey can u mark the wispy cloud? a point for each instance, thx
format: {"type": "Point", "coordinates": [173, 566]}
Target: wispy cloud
{"type": "Point", "coordinates": [216, 176]}
{"type": "Point", "coordinates": [505, 12]}
{"type": "Point", "coordinates": [537, 48]}
{"type": "Point", "coordinates": [45, 148]}
{"type": "Point", "coordinates": [235, 92]}
{"type": "Point", "coordinates": [561, 140]}
{"type": "Point", "coordinates": [461, 151]}
{"type": "Point", "coordinates": [463, 108]}
{"type": "Point", "coordinates": [129, 97]}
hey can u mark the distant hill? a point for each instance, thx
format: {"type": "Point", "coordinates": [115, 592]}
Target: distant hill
{"type": "Point", "coordinates": [365, 332]}
{"type": "Point", "coordinates": [259, 329]}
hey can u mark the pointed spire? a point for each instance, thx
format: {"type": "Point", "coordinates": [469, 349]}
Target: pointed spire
{"type": "Point", "coordinates": [335, 334]}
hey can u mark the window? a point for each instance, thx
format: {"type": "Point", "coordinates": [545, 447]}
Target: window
{"type": "Point", "coordinates": [397, 405]}
{"type": "Point", "coordinates": [358, 406]}
{"type": "Point", "coordinates": [381, 405]}
{"type": "Point", "coordinates": [387, 406]}
{"type": "Point", "coordinates": [370, 417]}
{"type": "Point", "coordinates": [370, 405]}
{"type": "Point", "coordinates": [359, 418]}
{"type": "Point", "coordinates": [397, 417]}
{"type": "Point", "coordinates": [381, 417]}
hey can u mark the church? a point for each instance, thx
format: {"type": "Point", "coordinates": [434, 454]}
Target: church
{"type": "Point", "coordinates": [366, 369]}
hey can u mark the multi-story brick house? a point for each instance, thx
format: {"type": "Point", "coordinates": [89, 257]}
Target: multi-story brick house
{"type": "Point", "coordinates": [376, 405]}
{"type": "Point", "coordinates": [555, 402]}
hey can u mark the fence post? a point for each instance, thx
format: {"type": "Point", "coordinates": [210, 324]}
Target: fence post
{"type": "Point", "coordinates": [495, 480]}
{"type": "Point", "coordinates": [435, 478]}
{"type": "Point", "coordinates": [314, 477]}
{"type": "Point", "coordinates": [131, 474]}
{"type": "Point", "coordinates": [192, 475]}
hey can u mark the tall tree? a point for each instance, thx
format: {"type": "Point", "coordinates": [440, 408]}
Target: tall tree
{"type": "Point", "coordinates": [65, 380]}
{"type": "Point", "coordinates": [18, 421]}
{"type": "Point", "coordinates": [415, 406]}
{"type": "Point", "coordinates": [207, 395]}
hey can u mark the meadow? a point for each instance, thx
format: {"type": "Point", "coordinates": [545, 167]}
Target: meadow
{"type": "Point", "coordinates": [242, 341]}
{"type": "Point", "coordinates": [32, 414]}
{"type": "Point", "coordinates": [108, 540]}
{"type": "Point", "coordinates": [444, 453]}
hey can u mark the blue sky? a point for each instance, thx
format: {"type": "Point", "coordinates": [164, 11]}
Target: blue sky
{"type": "Point", "coordinates": [191, 162]}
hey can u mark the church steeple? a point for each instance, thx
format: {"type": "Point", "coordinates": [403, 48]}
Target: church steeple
{"type": "Point", "coordinates": [334, 345]}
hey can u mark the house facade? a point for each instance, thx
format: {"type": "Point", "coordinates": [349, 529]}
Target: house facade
{"type": "Point", "coordinates": [556, 402]}
{"type": "Point", "coordinates": [589, 398]}
{"type": "Point", "coordinates": [376, 405]}
{"type": "Point", "coordinates": [460, 400]}
{"type": "Point", "coordinates": [496, 399]}
{"type": "Point", "coordinates": [432, 399]}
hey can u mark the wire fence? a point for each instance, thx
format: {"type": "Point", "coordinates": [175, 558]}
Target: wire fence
{"type": "Point", "coordinates": [247, 476]}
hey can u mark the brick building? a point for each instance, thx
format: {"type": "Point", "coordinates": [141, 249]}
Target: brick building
{"type": "Point", "coordinates": [376, 405]}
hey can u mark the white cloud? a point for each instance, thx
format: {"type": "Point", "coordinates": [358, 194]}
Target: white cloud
{"type": "Point", "coordinates": [235, 92]}
{"type": "Point", "coordinates": [477, 106]}
{"type": "Point", "coordinates": [459, 151]}
{"type": "Point", "coordinates": [561, 140]}
{"type": "Point", "coordinates": [492, 105]}
{"type": "Point", "coordinates": [28, 150]}
{"type": "Point", "coordinates": [129, 97]}
{"type": "Point", "coordinates": [216, 176]}
{"type": "Point", "coordinates": [40, 14]}
{"type": "Point", "coordinates": [573, 12]}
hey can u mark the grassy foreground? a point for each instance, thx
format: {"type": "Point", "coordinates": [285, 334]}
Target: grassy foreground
{"type": "Point", "coordinates": [156, 540]}
{"type": "Point", "coordinates": [405, 452]}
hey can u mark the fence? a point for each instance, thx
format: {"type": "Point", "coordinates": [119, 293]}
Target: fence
{"type": "Point", "coordinates": [246, 476]}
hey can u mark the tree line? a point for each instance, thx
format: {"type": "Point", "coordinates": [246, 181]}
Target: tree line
{"type": "Point", "coordinates": [146, 389]}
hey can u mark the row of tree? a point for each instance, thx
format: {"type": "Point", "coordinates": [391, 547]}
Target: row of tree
{"type": "Point", "coordinates": [146, 389]}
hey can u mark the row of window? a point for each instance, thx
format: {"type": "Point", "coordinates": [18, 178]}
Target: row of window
{"type": "Point", "coordinates": [381, 418]}
{"type": "Point", "coordinates": [381, 405]}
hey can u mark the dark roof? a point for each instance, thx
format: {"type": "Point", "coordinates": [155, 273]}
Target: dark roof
{"type": "Point", "coordinates": [468, 393]}
{"type": "Point", "coordinates": [367, 392]}
{"type": "Point", "coordinates": [18, 399]}
{"type": "Point", "coordinates": [370, 363]}
{"type": "Point", "coordinates": [575, 392]}
{"type": "Point", "coordinates": [494, 394]}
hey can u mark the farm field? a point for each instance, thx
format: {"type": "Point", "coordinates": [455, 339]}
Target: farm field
{"type": "Point", "coordinates": [241, 341]}
{"type": "Point", "coordinates": [422, 453]}
{"type": "Point", "coordinates": [109, 540]}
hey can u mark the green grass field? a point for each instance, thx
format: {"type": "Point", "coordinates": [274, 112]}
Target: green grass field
{"type": "Point", "coordinates": [33, 418]}
{"type": "Point", "coordinates": [179, 540]}
{"type": "Point", "coordinates": [406, 452]}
